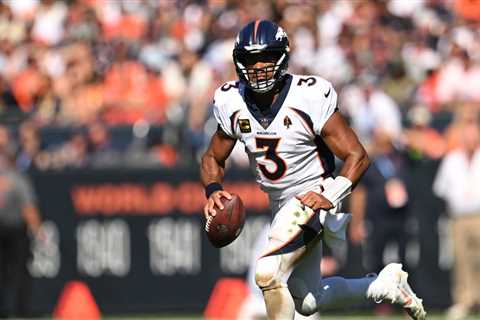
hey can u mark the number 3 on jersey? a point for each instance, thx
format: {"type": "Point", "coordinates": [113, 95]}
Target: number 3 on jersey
{"type": "Point", "coordinates": [270, 146]}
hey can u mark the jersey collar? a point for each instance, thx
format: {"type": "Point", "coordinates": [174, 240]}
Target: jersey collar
{"type": "Point", "coordinates": [265, 117]}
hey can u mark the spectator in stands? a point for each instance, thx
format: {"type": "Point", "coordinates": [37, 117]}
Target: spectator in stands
{"type": "Point", "coordinates": [101, 152]}
{"type": "Point", "coordinates": [18, 217]}
{"type": "Point", "coordinates": [457, 182]}
{"type": "Point", "coordinates": [465, 114]}
{"type": "Point", "coordinates": [28, 146]}
{"type": "Point", "coordinates": [379, 205]}
{"type": "Point", "coordinates": [127, 61]}
{"type": "Point", "coordinates": [382, 199]}
{"type": "Point", "coordinates": [9, 107]}
{"type": "Point", "coordinates": [48, 105]}
{"type": "Point", "coordinates": [27, 85]}
{"type": "Point", "coordinates": [459, 77]}
{"type": "Point", "coordinates": [370, 110]}
{"type": "Point", "coordinates": [419, 138]}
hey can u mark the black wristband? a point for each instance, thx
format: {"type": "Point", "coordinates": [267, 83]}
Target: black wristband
{"type": "Point", "coordinates": [211, 188]}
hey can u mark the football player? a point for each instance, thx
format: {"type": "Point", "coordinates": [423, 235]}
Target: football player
{"type": "Point", "coordinates": [291, 129]}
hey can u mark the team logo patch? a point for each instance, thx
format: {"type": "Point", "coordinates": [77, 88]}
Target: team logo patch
{"type": "Point", "coordinates": [264, 122]}
{"type": "Point", "coordinates": [287, 122]}
{"type": "Point", "coordinates": [244, 125]}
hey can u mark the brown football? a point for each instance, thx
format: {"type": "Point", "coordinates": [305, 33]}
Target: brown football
{"type": "Point", "coordinates": [227, 224]}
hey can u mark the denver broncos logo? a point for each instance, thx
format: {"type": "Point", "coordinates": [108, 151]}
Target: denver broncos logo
{"type": "Point", "coordinates": [280, 34]}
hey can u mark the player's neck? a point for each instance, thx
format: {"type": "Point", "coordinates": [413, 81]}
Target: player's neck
{"type": "Point", "coordinates": [266, 99]}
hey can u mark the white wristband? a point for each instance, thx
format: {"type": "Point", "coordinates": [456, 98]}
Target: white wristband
{"type": "Point", "coordinates": [336, 190]}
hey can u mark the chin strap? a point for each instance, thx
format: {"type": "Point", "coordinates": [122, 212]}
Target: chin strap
{"type": "Point", "coordinates": [337, 189]}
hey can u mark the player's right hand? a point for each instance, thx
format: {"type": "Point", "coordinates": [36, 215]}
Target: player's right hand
{"type": "Point", "coordinates": [215, 199]}
{"type": "Point", "coordinates": [315, 201]}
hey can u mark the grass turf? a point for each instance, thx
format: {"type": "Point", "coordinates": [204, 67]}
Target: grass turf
{"type": "Point", "coordinates": [437, 316]}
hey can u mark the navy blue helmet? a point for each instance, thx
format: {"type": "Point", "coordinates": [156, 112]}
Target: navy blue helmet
{"type": "Point", "coordinates": [264, 41]}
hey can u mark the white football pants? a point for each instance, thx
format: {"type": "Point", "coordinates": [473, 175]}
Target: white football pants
{"type": "Point", "coordinates": [288, 271]}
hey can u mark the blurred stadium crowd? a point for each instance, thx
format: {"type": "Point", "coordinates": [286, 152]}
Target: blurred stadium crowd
{"type": "Point", "coordinates": [130, 83]}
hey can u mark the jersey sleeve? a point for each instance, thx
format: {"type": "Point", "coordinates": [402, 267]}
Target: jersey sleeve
{"type": "Point", "coordinates": [323, 106]}
{"type": "Point", "coordinates": [221, 113]}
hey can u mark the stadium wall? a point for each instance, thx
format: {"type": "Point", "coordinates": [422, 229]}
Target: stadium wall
{"type": "Point", "coordinates": [136, 239]}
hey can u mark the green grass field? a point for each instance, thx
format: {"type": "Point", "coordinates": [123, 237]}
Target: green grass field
{"type": "Point", "coordinates": [337, 317]}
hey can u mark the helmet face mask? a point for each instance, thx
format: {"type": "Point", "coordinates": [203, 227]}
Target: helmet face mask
{"type": "Point", "coordinates": [263, 42]}
{"type": "Point", "coordinates": [260, 79]}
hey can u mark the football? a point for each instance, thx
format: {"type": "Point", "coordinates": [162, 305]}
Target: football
{"type": "Point", "coordinates": [227, 224]}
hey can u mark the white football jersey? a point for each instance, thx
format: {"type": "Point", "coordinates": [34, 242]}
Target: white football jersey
{"type": "Point", "coordinates": [284, 146]}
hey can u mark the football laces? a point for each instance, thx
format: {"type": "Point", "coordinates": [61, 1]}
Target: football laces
{"type": "Point", "coordinates": [207, 225]}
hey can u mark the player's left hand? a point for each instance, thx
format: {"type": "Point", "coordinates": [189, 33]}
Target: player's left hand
{"type": "Point", "coordinates": [315, 201]}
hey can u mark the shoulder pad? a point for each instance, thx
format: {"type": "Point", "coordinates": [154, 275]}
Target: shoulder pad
{"type": "Point", "coordinates": [224, 93]}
